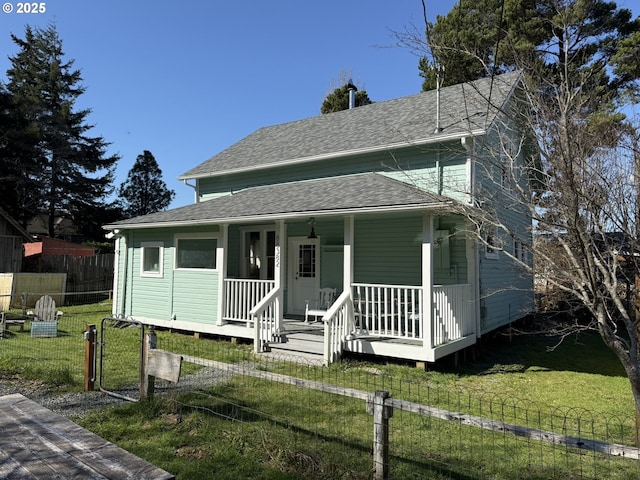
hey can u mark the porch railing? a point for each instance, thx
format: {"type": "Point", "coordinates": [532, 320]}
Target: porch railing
{"type": "Point", "coordinates": [265, 320]}
{"type": "Point", "coordinates": [388, 310]}
{"type": "Point", "coordinates": [454, 313]}
{"type": "Point", "coordinates": [338, 325]}
{"type": "Point", "coordinates": [241, 295]}
{"type": "Point", "coordinates": [397, 312]}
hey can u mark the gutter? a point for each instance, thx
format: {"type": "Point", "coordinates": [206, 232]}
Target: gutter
{"type": "Point", "coordinates": [283, 216]}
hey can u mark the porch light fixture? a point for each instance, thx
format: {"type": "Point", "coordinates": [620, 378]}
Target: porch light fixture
{"type": "Point", "coordinates": [312, 233]}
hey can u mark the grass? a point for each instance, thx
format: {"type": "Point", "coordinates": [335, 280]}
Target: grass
{"type": "Point", "coordinates": [249, 428]}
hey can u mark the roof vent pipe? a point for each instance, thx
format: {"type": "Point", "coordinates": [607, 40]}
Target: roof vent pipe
{"type": "Point", "coordinates": [352, 95]}
{"type": "Point", "coordinates": [438, 129]}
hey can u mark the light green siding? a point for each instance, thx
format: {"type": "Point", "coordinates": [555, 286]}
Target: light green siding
{"type": "Point", "coordinates": [195, 296]}
{"type": "Point", "coordinates": [388, 250]}
{"type": "Point", "coordinates": [191, 295]}
{"type": "Point", "coordinates": [506, 289]}
{"type": "Point", "coordinates": [399, 164]}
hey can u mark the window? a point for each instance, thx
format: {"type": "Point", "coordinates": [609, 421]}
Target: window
{"type": "Point", "coordinates": [507, 167]}
{"type": "Point", "coordinates": [259, 253]}
{"type": "Point", "coordinates": [307, 261]}
{"type": "Point", "coordinates": [151, 262]}
{"type": "Point", "coordinates": [520, 251]}
{"type": "Point", "coordinates": [491, 243]}
{"type": "Point", "coordinates": [196, 253]}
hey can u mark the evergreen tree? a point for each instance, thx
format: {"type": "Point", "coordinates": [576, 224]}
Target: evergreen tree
{"type": "Point", "coordinates": [551, 38]}
{"type": "Point", "coordinates": [339, 99]}
{"type": "Point", "coordinates": [18, 162]}
{"type": "Point", "coordinates": [73, 170]}
{"type": "Point", "coordinates": [144, 191]}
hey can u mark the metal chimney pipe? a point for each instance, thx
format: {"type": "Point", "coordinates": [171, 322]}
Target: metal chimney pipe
{"type": "Point", "coordinates": [352, 95]}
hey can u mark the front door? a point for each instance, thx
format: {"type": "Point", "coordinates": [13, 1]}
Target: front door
{"type": "Point", "coordinates": [303, 272]}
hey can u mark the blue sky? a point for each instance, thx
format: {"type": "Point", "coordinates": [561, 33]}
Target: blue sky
{"type": "Point", "coordinates": [185, 80]}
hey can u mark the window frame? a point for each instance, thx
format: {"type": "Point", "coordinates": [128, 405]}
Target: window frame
{"type": "Point", "coordinates": [195, 236]}
{"type": "Point", "coordinates": [144, 246]}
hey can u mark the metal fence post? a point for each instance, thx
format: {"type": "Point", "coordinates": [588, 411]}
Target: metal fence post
{"type": "Point", "coordinates": [147, 381]}
{"type": "Point", "coordinates": [381, 415]}
{"type": "Point", "coordinates": [90, 358]}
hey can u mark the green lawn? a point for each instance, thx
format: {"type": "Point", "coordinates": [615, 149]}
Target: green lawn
{"type": "Point", "coordinates": [249, 428]}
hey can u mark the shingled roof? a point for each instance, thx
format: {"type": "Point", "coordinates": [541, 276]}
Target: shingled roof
{"type": "Point", "coordinates": [465, 109]}
{"type": "Point", "coordinates": [368, 192]}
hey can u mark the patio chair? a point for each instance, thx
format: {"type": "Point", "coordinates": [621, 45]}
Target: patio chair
{"type": "Point", "coordinates": [326, 296]}
{"type": "Point", "coordinates": [44, 318]}
{"type": "Point", "coordinates": [5, 321]}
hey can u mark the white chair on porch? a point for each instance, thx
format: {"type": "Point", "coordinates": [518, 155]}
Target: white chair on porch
{"type": "Point", "coordinates": [319, 306]}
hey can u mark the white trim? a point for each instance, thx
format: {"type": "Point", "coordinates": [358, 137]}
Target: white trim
{"type": "Point", "coordinates": [222, 254]}
{"type": "Point", "coordinates": [152, 273]}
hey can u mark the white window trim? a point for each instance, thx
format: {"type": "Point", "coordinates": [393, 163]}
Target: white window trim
{"type": "Point", "coordinates": [151, 274]}
{"type": "Point", "coordinates": [194, 236]}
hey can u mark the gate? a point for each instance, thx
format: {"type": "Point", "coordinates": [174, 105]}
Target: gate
{"type": "Point", "coordinates": [121, 357]}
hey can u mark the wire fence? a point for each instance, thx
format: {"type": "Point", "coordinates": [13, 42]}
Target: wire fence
{"type": "Point", "coordinates": [320, 422]}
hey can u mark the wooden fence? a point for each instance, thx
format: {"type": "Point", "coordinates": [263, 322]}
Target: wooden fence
{"type": "Point", "coordinates": [10, 253]}
{"type": "Point", "coordinates": [84, 274]}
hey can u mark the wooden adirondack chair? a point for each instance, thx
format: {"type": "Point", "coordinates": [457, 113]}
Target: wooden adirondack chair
{"type": "Point", "coordinates": [44, 318]}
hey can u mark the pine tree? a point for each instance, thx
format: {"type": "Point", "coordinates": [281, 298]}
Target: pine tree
{"type": "Point", "coordinates": [144, 191]}
{"type": "Point", "coordinates": [73, 170]}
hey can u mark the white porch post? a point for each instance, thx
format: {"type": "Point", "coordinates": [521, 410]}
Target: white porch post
{"type": "Point", "coordinates": [221, 260]}
{"type": "Point", "coordinates": [347, 272]}
{"type": "Point", "coordinates": [279, 270]}
{"type": "Point", "coordinates": [427, 281]}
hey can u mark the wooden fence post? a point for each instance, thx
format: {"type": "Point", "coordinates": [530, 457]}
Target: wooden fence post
{"type": "Point", "coordinates": [147, 381]}
{"type": "Point", "coordinates": [90, 358]}
{"type": "Point", "coordinates": [381, 415]}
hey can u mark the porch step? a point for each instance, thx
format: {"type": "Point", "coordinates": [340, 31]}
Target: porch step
{"type": "Point", "coordinates": [305, 344]}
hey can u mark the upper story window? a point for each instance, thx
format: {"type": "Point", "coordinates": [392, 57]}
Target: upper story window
{"type": "Point", "coordinates": [491, 243]}
{"type": "Point", "coordinates": [151, 264]}
{"type": "Point", "coordinates": [520, 251]}
{"type": "Point", "coordinates": [195, 252]}
{"type": "Point", "coordinates": [508, 170]}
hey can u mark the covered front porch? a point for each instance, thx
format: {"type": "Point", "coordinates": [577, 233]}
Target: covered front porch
{"type": "Point", "coordinates": [423, 321]}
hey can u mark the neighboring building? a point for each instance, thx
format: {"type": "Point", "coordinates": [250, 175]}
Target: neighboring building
{"type": "Point", "coordinates": [12, 236]}
{"type": "Point", "coordinates": [365, 201]}
{"type": "Point", "coordinates": [54, 246]}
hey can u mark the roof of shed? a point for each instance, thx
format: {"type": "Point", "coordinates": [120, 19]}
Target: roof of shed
{"type": "Point", "coordinates": [465, 109]}
{"type": "Point", "coordinates": [369, 192]}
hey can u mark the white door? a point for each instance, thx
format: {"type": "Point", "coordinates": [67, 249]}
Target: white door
{"type": "Point", "coordinates": [303, 272]}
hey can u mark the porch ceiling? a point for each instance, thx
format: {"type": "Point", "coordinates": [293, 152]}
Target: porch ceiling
{"type": "Point", "coordinates": [368, 192]}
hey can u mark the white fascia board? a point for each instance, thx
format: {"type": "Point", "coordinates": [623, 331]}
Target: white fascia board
{"type": "Point", "coordinates": [344, 153]}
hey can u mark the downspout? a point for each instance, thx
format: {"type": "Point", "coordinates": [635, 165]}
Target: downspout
{"type": "Point", "coordinates": [195, 190]}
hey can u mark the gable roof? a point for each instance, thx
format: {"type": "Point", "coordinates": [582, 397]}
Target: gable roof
{"type": "Point", "coordinates": [465, 109]}
{"type": "Point", "coordinates": [17, 228]}
{"type": "Point", "coordinates": [368, 192]}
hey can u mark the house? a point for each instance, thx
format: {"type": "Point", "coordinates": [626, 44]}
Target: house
{"type": "Point", "coordinates": [367, 201]}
